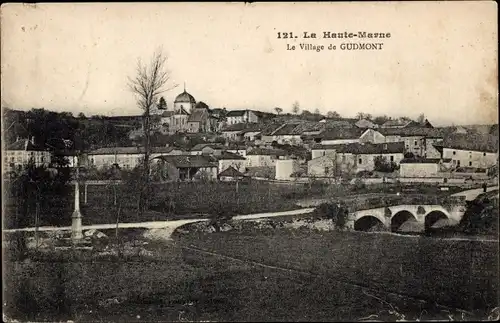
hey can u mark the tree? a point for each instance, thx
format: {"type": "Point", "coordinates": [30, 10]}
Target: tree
{"type": "Point", "coordinates": [148, 83]}
{"type": "Point", "coordinates": [81, 115]}
{"type": "Point", "coordinates": [162, 104]}
{"type": "Point", "coordinates": [333, 115]}
{"type": "Point", "coordinates": [421, 118]}
{"type": "Point", "coordinates": [316, 111]}
{"type": "Point", "coordinates": [278, 110]}
{"type": "Point", "coordinates": [382, 165]}
{"type": "Point", "coordinates": [381, 119]}
{"type": "Point", "coordinates": [296, 107]}
{"type": "Point", "coordinates": [362, 115]}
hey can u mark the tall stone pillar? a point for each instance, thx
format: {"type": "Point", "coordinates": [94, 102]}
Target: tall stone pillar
{"type": "Point", "coordinates": [76, 218]}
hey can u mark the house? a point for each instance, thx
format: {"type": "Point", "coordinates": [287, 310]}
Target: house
{"type": "Point", "coordinates": [331, 123]}
{"type": "Point", "coordinates": [258, 157]}
{"type": "Point", "coordinates": [186, 167]}
{"type": "Point", "coordinates": [207, 149]}
{"type": "Point", "coordinates": [227, 159]}
{"type": "Point", "coordinates": [322, 166]}
{"type": "Point", "coordinates": [230, 174]}
{"type": "Point", "coordinates": [340, 136]}
{"type": "Point", "coordinates": [237, 149]}
{"type": "Point", "coordinates": [236, 132]}
{"type": "Point", "coordinates": [400, 123]}
{"type": "Point", "coordinates": [361, 157]}
{"type": "Point", "coordinates": [471, 150]}
{"type": "Point", "coordinates": [199, 121]}
{"type": "Point", "coordinates": [365, 124]}
{"type": "Point", "coordinates": [125, 157]}
{"type": "Point", "coordinates": [422, 167]}
{"type": "Point", "coordinates": [20, 153]}
{"type": "Point", "coordinates": [319, 150]}
{"type": "Point", "coordinates": [418, 140]}
{"type": "Point", "coordinates": [285, 169]}
{"type": "Point", "coordinates": [242, 116]}
{"type": "Point", "coordinates": [288, 133]}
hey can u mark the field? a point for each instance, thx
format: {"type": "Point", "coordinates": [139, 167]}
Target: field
{"type": "Point", "coordinates": [462, 274]}
{"type": "Point", "coordinates": [183, 200]}
{"type": "Point", "coordinates": [337, 276]}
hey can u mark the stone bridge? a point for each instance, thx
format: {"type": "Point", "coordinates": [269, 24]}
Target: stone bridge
{"type": "Point", "coordinates": [406, 217]}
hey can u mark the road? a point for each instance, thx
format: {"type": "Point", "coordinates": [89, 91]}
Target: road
{"type": "Point", "coordinates": [164, 224]}
{"type": "Point", "coordinates": [472, 194]}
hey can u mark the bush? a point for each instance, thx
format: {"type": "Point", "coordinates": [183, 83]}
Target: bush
{"type": "Point", "coordinates": [336, 212]}
{"type": "Point", "coordinates": [358, 184]}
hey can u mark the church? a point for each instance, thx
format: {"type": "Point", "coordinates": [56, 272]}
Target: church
{"type": "Point", "coordinates": [187, 115]}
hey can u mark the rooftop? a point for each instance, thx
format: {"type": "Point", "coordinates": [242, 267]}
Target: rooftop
{"type": "Point", "coordinates": [189, 161]}
{"type": "Point", "coordinates": [342, 133]}
{"type": "Point", "coordinates": [231, 172]}
{"type": "Point", "coordinates": [472, 142]}
{"type": "Point", "coordinates": [129, 150]}
{"type": "Point", "coordinates": [365, 149]}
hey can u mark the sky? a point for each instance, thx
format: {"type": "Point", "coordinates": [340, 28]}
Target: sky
{"type": "Point", "coordinates": [441, 58]}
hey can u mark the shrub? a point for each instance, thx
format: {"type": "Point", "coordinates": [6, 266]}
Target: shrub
{"type": "Point", "coordinates": [336, 212]}
{"type": "Point", "coordinates": [358, 184]}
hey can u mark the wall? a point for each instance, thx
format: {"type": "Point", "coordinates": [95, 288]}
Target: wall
{"type": "Point", "coordinates": [372, 136]}
{"type": "Point", "coordinates": [366, 162]}
{"type": "Point", "coordinates": [315, 153]}
{"type": "Point", "coordinates": [418, 169]}
{"type": "Point", "coordinates": [339, 141]}
{"type": "Point", "coordinates": [231, 135]}
{"type": "Point", "coordinates": [415, 145]}
{"type": "Point", "coordinates": [430, 150]}
{"type": "Point", "coordinates": [323, 166]}
{"type": "Point", "coordinates": [20, 158]}
{"type": "Point", "coordinates": [261, 160]}
{"type": "Point", "coordinates": [284, 168]}
{"type": "Point", "coordinates": [469, 158]}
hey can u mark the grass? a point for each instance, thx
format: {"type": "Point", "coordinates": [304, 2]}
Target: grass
{"type": "Point", "coordinates": [179, 284]}
{"type": "Point", "coordinates": [461, 273]}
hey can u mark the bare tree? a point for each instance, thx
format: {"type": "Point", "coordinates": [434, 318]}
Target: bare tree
{"type": "Point", "coordinates": [278, 110]}
{"type": "Point", "coordinates": [421, 118]}
{"type": "Point", "coordinates": [149, 82]}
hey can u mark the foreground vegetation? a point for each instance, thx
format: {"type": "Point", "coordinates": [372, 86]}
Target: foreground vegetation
{"type": "Point", "coordinates": [172, 282]}
{"type": "Point", "coordinates": [461, 274]}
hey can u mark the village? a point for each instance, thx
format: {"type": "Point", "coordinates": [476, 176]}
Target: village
{"type": "Point", "coordinates": [244, 144]}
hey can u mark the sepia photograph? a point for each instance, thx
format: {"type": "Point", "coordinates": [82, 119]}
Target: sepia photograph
{"type": "Point", "coordinates": [250, 162]}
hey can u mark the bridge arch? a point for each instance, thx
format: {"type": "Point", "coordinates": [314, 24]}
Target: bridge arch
{"type": "Point", "coordinates": [368, 222]}
{"type": "Point", "coordinates": [432, 217]}
{"type": "Point", "coordinates": [401, 217]}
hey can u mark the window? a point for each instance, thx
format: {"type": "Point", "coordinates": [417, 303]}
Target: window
{"type": "Point", "coordinates": [470, 163]}
{"type": "Point", "coordinates": [360, 161]}
{"type": "Point", "coordinates": [484, 154]}
{"type": "Point", "coordinates": [416, 143]}
{"type": "Point", "coordinates": [343, 158]}
{"type": "Point", "coordinates": [454, 153]}
{"type": "Point", "coordinates": [326, 170]}
{"type": "Point", "coordinates": [392, 158]}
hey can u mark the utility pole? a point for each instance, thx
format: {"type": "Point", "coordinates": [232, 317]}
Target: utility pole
{"type": "Point", "coordinates": [76, 218]}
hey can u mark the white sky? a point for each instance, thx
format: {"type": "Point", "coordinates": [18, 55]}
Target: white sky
{"type": "Point", "coordinates": [441, 58]}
